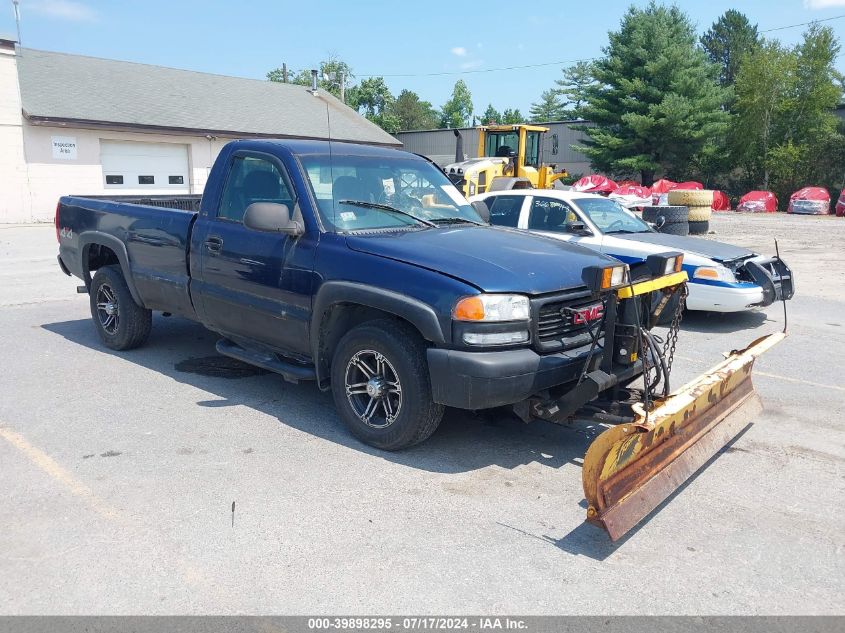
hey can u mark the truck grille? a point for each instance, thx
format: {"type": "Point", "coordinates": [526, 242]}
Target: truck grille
{"type": "Point", "coordinates": [557, 328]}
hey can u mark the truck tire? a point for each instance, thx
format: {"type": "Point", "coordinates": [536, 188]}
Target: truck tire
{"type": "Point", "coordinates": [699, 228]}
{"type": "Point", "coordinates": [381, 386]}
{"type": "Point", "coordinates": [691, 197]}
{"type": "Point", "coordinates": [121, 323]}
{"type": "Point", "coordinates": [700, 214]}
{"type": "Point", "coordinates": [673, 215]}
{"type": "Point", "coordinates": [674, 219]}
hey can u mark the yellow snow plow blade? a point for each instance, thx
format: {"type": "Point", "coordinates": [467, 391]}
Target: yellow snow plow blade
{"type": "Point", "coordinates": [631, 468]}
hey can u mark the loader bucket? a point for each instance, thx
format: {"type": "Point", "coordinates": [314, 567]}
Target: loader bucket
{"type": "Point", "coordinates": [631, 468]}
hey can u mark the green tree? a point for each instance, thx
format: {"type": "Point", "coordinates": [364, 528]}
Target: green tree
{"type": "Point", "coordinates": [730, 38]}
{"type": "Point", "coordinates": [414, 114]}
{"type": "Point", "coordinates": [763, 82]}
{"type": "Point", "coordinates": [374, 100]}
{"type": "Point", "coordinates": [785, 134]}
{"type": "Point", "coordinates": [573, 87]}
{"type": "Point", "coordinates": [491, 115]}
{"type": "Point", "coordinates": [512, 117]}
{"type": "Point", "coordinates": [548, 108]}
{"type": "Point", "coordinates": [656, 101]}
{"type": "Point", "coordinates": [457, 111]}
{"type": "Point", "coordinates": [330, 74]}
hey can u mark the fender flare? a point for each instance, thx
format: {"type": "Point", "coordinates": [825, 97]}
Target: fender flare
{"type": "Point", "coordinates": [421, 315]}
{"type": "Point", "coordinates": [89, 238]}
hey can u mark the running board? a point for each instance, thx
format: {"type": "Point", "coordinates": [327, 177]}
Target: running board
{"type": "Point", "coordinates": [289, 371]}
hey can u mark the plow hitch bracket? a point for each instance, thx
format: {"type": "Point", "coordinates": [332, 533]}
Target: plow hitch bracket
{"type": "Point", "coordinates": [630, 469]}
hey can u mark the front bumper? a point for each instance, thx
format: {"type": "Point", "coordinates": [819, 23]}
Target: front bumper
{"type": "Point", "coordinates": [482, 380]}
{"type": "Point", "coordinates": [764, 281]}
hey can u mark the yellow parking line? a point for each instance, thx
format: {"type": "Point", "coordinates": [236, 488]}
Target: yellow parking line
{"type": "Point", "coordinates": [57, 473]}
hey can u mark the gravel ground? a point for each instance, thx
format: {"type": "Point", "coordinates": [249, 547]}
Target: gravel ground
{"type": "Point", "coordinates": [120, 469]}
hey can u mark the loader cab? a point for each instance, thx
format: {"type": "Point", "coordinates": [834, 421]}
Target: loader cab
{"type": "Point", "coordinates": [521, 142]}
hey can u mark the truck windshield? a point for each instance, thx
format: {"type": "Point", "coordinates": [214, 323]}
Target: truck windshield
{"type": "Point", "coordinates": [611, 217]}
{"type": "Point", "coordinates": [363, 192]}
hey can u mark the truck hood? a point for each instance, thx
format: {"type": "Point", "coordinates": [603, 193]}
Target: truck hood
{"type": "Point", "coordinates": [717, 251]}
{"type": "Point", "coordinates": [489, 258]}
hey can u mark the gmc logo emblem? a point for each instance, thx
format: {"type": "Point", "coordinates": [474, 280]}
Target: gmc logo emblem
{"type": "Point", "coordinates": [582, 316]}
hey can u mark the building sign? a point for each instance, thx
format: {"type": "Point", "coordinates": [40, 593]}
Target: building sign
{"type": "Point", "coordinates": [64, 147]}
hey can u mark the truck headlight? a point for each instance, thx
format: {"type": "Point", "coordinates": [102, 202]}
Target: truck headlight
{"type": "Point", "coordinates": [714, 273]}
{"type": "Point", "coordinates": [492, 308]}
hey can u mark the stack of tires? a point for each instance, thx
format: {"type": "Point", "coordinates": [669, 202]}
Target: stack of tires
{"type": "Point", "coordinates": [672, 220]}
{"type": "Point", "coordinates": [700, 205]}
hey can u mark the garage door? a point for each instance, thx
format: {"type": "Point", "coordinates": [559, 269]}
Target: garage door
{"type": "Point", "coordinates": [153, 168]}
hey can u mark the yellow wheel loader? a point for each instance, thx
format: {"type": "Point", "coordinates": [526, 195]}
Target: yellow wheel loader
{"type": "Point", "coordinates": [509, 158]}
{"type": "Point", "coordinates": [656, 438]}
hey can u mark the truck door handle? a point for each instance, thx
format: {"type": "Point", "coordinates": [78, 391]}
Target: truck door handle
{"type": "Point", "coordinates": [214, 244]}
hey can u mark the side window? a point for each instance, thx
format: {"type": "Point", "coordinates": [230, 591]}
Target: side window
{"type": "Point", "coordinates": [252, 179]}
{"type": "Point", "coordinates": [548, 214]}
{"type": "Point", "coordinates": [504, 210]}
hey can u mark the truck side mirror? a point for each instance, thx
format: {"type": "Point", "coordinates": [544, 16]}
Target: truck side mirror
{"type": "Point", "coordinates": [482, 209]}
{"type": "Point", "coordinates": [271, 217]}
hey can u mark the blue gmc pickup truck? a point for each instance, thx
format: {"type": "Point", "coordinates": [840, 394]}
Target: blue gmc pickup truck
{"type": "Point", "coordinates": [361, 268]}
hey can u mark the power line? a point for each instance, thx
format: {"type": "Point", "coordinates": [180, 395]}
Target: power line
{"type": "Point", "coordinates": [485, 70]}
{"type": "Point", "coordinates": [559, 63]}
{"type": "Point", "coordinates": [792, 26]}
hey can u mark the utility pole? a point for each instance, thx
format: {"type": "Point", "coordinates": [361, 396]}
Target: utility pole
{"type": "Point", "coordinates": [284, 73]}
{"type": "Point", "coordinates": [342, 87]}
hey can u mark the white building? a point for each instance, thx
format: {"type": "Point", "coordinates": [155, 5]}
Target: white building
{"type": "Point", "coordinates": [71, 124]}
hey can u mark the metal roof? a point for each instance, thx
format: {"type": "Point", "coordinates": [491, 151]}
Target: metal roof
{"type": "Point", "coordinates": [59, 87]}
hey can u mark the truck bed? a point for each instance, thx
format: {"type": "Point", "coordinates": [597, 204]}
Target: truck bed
{"type": "Point", "coordinates": [150, 235]}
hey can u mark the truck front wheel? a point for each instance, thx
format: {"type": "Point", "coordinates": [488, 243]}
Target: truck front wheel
{"type": "Point", "coordinates": [121, 323]}
{"type": "Point", "coordinates": [381, 385]}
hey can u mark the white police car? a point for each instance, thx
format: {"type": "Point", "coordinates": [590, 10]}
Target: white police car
{"type": "Point", "coordinates": [723, 277]}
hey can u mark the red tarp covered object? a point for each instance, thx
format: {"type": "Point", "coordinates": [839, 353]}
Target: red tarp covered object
{"type": "Point", "coordinates": [758, 202]}
{"type": "Point", "coordinates": [631, 196]}
{"type": "Point", "coordinates": [659, 188]}
{"type": "Point", "coordinates": [662, 186]}
{"type": "Point", "coordinates": [840, 205]}
{"type": "Point", "coordinates": [721, 202]}
{"type": "Point", "coordinates": [810, 200]}
{"type": "Point", "coordinates": [595, 183]}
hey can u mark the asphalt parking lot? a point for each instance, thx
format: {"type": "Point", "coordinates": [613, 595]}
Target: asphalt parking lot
{"type": "Point", "coordinates": [119, 472]}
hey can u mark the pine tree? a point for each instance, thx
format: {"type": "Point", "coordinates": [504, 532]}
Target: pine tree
{"type": "Point", "coordinates": [656, 102]}
{"type": "Point", "coordinates": [730, 37]}
{"type": "Point", "coordinates": [548, 108]}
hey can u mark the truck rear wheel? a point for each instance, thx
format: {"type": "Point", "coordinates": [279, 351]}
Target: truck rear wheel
{"type": "Point", "coordinates": [121, 323]}
{"type": "Point", "coordinates": [381, 385]}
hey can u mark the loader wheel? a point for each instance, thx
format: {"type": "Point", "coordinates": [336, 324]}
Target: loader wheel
{"type": "Point", "coordinates": [381, 385]}
{"type": "Point", "coordinates": [700, 214]}
{"type": "Point", "coordinates": [691, 198]}
{"type": "Point", "coordinates": [121, 323]}
{"type": "Point", "coordinates": [699, 228]}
